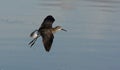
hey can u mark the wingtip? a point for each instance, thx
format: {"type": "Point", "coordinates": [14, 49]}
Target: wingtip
{"type": "Point", "coordinates": [47, 49]}
{"type": "Point", "coordinates": [50, 17]}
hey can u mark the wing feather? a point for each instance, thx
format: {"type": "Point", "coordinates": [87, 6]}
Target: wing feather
{"type": "Point", "coordinates": [47, 38]}
{"type": "Point", "coordinates": [48, 21]}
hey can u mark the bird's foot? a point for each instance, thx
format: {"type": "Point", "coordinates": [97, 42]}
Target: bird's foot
{"type": "Point", "coordinates": [31, 43]}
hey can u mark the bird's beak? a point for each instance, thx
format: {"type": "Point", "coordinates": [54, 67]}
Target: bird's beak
{"type": "Point", "coordinates": [64, 30]}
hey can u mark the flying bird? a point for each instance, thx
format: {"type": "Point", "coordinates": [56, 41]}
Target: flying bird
{"type": "Point", "coordinates": [45, 31]}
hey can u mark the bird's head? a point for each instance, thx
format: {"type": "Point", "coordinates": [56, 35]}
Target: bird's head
{"type": "Point", "coordinates": [57, 28]}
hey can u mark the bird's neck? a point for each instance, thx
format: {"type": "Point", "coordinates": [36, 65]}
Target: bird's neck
{"type": "Point", "coordinates": [54, 30]}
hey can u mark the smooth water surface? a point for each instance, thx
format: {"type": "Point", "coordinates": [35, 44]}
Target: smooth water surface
{"type": "Point", "coordinates": [91, 43]}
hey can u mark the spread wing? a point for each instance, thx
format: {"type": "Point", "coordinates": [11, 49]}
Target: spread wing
{"type": "Point", "coordinates": [47, 38]}
{"type": "Point", "coordinates": [48, 21]}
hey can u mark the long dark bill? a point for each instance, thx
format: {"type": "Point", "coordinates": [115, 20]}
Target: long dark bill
{"type": "Point", "coordinates": [64, 30]}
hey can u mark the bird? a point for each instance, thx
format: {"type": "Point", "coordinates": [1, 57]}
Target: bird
{"type": "Point", "coordinates": [46, 31]}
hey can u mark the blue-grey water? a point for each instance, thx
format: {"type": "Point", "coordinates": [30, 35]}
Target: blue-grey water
{"type": "Point", "coordinates": [91, 43]}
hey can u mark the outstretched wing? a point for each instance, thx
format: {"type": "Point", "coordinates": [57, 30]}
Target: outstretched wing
{"type": "Point", "coordinates": [48, 21]}
{"type": "Point", "coordinates": [47, 38]}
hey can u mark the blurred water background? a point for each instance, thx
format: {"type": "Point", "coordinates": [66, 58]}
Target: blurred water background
{"type": "Point", "coordinates": [91, 43]}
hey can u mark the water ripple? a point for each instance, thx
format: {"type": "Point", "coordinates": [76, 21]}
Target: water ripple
{"type": "Point", "coordinates": [105, 5]}
{"type": "Point", "coordinates": [105, 1]}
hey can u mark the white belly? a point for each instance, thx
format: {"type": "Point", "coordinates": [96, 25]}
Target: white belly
{"type": "Point", "coordinates": [34, 35]}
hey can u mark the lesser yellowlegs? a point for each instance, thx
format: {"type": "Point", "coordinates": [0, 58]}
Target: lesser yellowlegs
{"type": "Point", "coordinates": [46, 31]}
